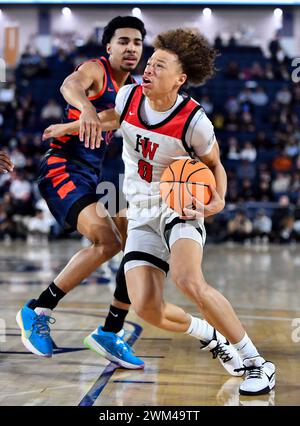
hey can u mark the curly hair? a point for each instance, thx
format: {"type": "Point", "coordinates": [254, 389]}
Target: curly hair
{"type": "Point", "coordinates": [194, 53]}
{"type": "Point", "coordinates": [122, 22]}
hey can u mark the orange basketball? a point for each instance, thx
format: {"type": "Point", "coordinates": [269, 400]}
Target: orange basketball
{"type": "Point", "coordinates": [184, 179]}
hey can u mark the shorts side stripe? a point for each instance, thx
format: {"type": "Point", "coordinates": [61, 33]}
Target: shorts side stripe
{"type": "Point", "coordinates": [65, 189]}
{"type": "Point", "coordinates": [139, 255]}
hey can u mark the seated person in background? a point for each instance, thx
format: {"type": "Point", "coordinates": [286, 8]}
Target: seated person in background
{"type": "Point", "coordinates": [239, 228]}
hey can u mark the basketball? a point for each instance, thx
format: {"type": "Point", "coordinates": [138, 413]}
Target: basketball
{"type": "Point", "coordinates": [184, 179]}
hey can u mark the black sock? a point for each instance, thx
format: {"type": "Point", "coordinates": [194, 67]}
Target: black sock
{"type": "Point", "coordinates": [49, 298]}
{"type": "Point", "coordinates": [115, 319]}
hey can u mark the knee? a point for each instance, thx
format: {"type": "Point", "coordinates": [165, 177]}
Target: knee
{"type": "Point", "coordinates": [105, 241]}
{"type": "Point", "coordinates": [148, 312]}
{"type": "Point", "coordinates": [193, 287]}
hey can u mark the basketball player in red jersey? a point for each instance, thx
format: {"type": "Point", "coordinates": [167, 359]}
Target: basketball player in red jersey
{"type": "Point", "coordinates": [68, 179]}
{"type": "Point", "coordinates": [158, 125]}
{"type": "Point", "coordinates": [6, 164]}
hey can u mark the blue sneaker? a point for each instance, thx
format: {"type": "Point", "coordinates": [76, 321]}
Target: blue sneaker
{"type": "Point", "coordinates": [35, 329]}
{"type": "Point", "coordinates": [113, 347]}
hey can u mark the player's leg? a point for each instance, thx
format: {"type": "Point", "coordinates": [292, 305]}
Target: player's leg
{"type": "Point", "coordinates": [108, 340]}
{"type": "Point", "coordinates": [146, 266]}
{"type": "Point", "coordinates": [75, 208]}
{"type": "Point", "coordinates": [185, 261]}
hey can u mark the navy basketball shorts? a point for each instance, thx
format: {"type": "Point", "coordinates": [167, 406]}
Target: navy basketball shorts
{"type": "Point", "coordinates": [68, 186]}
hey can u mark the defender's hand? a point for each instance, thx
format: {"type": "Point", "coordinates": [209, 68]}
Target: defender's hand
{"type": "Point", "coordinates": [215, 205]}
{"type": "Point", "coordinates": [90, 128]}
{"type": "Point", "coordinates": [54, 131]}
{"type": "Point", "coordinates": [6, 165]}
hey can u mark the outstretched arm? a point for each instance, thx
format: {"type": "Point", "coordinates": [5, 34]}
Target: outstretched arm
{"type": "Point", "coordinates": [110, 120]}
{"type": "Point", "coordinates": [88, 77]}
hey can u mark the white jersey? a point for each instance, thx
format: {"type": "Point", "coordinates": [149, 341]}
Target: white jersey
{"type": "Point", "coordinates": [149, 149]}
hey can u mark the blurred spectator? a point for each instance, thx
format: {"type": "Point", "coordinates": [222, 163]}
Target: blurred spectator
{"type": "Point", "coordinates": [261, 141]}
{"type": "Point", "coordinates": [207, 105]}
{"type": "Point", "coordinates": [256, 71]}
{"type": "Point", "coordinates": [281, 183]}
{"type": "Point", "coordinates": [246, 122]}
{"type": "Point", "coordinates": [262, 225]}
{"type": "Point", "coordinates": [246, 170]}
{"type": "Point", "coordinates": [7, 92]}
{"type": "Point", "coordinates": [232, 71]}
{"type": "Point", "coordinates": [18, 158]}
{"type": "Point", "coordinates": [218, 120]}
{"type": "Point", "coordinates": [232, 105]}
{"type": "Point", "coordinates": [292, 147]}
{"type": "Point", "coordinates": [280, 213]}
{"type": "Point", "coordinates": [269, 74]}
{"type": "Point", "coordinates": [239, 228]}
{"type": "Point", "coordinates": [259, 97]}
{"type": "Point", "coordinates": [233, 152]}
{"type": "Point", "coordinates": [248, 152]}
{"type": "Point", "coordinates": [275, 49]}
{"type": "Point", "coordinates": [38, 226]}
{"type": "Point", "coordinates": [282, 163]}
{"type": "Point", "coordinates": [246, 192]}
{"type": "Point", "coordinates": [286, 232]}
{"type": "Point", "coordinates": [51, 111]}
{"type": "Point", "coordinates": [218, 44]}
{"type": "Point", "coordinates": [245, 96]}
{"type": "Point", "coordinates": [284, 96]}
{"type": "Point", "coordinates": [263, 191]}
{"type": "Point", "coordinates": [231, 122]}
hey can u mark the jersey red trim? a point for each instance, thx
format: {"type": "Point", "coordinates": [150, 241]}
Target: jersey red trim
{"type": "Point", "coordinates": [54, 160]}
{"type": "Point", "coordinates": [172, 127]}
{"type": "Point", "coordinates": [98, 95]}
{"type": "Point", "coordinates": [115, 84]}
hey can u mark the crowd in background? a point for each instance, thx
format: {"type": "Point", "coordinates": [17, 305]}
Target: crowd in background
{"type": "Point", "coordinates": [252, 102]}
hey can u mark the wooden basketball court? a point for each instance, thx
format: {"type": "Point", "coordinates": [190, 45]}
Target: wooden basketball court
{"type": "Point", "coordinates": [261, 282]}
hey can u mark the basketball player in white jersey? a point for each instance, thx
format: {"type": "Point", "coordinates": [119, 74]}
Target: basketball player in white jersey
{"type": "Point", "coordinates": [159, 125]}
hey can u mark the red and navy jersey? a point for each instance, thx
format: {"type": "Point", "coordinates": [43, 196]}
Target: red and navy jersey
{"type": "Point", "coordinates": [105, 99]}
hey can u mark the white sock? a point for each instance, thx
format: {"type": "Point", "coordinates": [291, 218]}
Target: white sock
{"type": "Point", "coordinates": [200, 329]}
{"type": "Point", "coordinates": [245, 348]}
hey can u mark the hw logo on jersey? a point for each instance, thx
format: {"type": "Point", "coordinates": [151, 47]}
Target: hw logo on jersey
{"type": "Point", "coordinates": [148, 151]}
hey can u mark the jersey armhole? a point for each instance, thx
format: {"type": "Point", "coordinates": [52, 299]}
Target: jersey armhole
{"type": "Point", "coordinates": [98, 95]}
{"type": "Point", "coordinates": [128, 102]}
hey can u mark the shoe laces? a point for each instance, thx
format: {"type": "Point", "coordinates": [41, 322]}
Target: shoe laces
{"type": "Point", "coordinates": [252, 372]}
{"type": "Point", "coordinates": [220, 351]}
{"type": "Point", "coordinates": [124, 347]}
{"type": "Point", "coordinates": [41, 325]}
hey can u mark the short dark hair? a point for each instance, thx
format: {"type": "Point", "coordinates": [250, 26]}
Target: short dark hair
{"type": "Point", "coordinates": [122, 22]}
{"type": "Point", "coordinates": [194, 52]}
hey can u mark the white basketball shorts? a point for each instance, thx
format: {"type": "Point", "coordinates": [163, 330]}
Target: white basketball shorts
{"type": "Point", "coordinates": [152, 232]}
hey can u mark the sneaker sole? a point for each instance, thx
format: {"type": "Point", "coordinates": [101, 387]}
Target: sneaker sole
{"type": "Point", "coordinates": [261, 392]}
{"type": "Point", "coordinates": [98, 349]}
{"type": "Point", "coordinates": [26, 341]}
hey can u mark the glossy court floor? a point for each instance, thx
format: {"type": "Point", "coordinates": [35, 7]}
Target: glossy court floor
{"type": "Point", "coordinates": [261, 282]}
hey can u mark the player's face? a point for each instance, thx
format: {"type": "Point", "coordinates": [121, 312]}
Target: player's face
{"type": "Point", "coordinates": [163, 74]}
{"type": "Point", "coordinates": [125, 49]}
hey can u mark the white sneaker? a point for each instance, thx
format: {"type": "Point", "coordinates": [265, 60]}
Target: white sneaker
{"type": "Point", "coordinates": [260, 376]}
{"type": "Point", "coordinates": [225, 352]}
